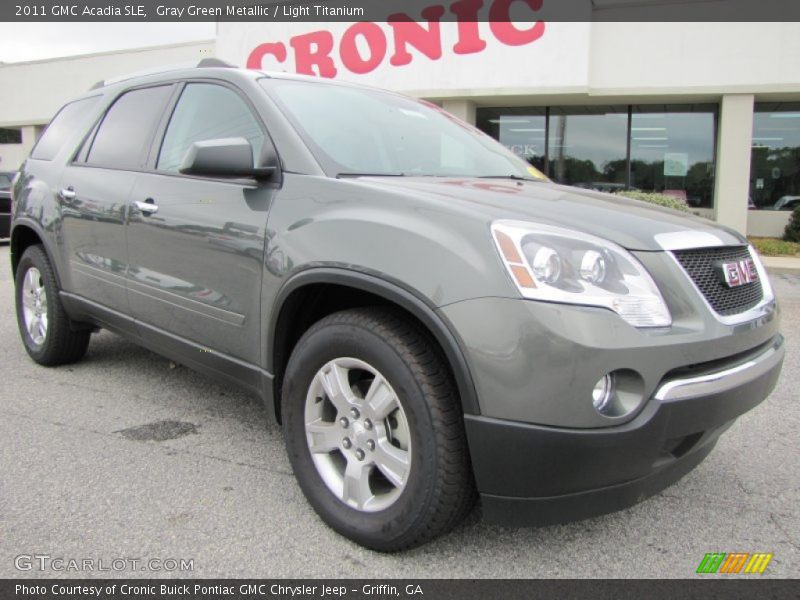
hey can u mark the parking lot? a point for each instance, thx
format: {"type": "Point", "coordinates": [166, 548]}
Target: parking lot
{"type": "Point", "coordinates": [125, 455]}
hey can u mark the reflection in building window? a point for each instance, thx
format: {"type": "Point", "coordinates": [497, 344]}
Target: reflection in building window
{"type": "Point", "coordinates": [588, 147]}
{"type": "Point", "coordinates": [672, 151]}
{"type": "Point", "coordinates": [523, 131]}
{"type": "Point", "coordinates": [775, 158]}
{"type": "Point", "coordinates": [668, 149]}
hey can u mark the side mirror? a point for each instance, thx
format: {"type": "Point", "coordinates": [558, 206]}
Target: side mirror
{"type": "Point", "coordinates": [227, 157]}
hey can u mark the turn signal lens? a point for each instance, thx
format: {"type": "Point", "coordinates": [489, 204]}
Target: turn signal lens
{"type": "Point", "coordinates": [507, 248]}
{"type": "Point", "coordinates": [516, 264]}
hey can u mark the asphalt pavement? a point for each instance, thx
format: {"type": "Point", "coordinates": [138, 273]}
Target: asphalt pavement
{"type": "Point", "coordinates": [127, 456]}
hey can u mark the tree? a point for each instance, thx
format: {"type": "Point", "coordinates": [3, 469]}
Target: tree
{"type": "Point", "coordinates": [792, 231]}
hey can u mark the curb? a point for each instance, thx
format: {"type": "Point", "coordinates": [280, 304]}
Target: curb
{"type": "Point", "coordinates": [782, 264]}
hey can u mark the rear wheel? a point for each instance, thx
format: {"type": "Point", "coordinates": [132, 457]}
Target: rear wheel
{"type": "Point", "coordinates": [44, 326]}
{"type": "Point", "coordinates": [374, 431]}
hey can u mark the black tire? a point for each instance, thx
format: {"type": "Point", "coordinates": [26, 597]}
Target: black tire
{"type": "Point", "coordinates": [439, 490]}
{"type": "Point", "coordinates": [62, 344]}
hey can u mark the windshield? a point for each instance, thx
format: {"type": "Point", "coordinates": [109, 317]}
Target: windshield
{"type": "Point", "coordinates": [357, 131]}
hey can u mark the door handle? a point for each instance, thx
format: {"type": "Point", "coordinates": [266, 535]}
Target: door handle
{"type": "Point", "coordinates": [67, 193]}
{"type": "Point", "coordinates": [148, 207]}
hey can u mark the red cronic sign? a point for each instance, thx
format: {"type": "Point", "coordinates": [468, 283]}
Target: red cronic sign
{"type": "Point", "coordinates": [365, 46]}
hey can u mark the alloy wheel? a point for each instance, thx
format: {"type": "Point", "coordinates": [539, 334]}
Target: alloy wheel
{"type": "Point", "coordinates": [358, 434]}
{"type": "Point", "coordinates": [34, 306]}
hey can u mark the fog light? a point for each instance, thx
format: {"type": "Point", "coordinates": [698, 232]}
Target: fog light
{"type": "Point", "coordinates": [603, 393]}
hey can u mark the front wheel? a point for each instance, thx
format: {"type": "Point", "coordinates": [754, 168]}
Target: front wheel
{"type": "Point", "coordinates": [44, 326]}
{"type": "Point", "coordinates": [374, 431]}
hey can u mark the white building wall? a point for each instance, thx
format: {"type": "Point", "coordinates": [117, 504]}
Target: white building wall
{"type": "Point", "coordinates": [12, 155]}
{"type": "Point", "coordinates": [694, 58]}
{"type": "Point", "coordinates": [734, 141]}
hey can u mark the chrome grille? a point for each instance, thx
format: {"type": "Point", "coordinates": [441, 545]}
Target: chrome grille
{"type": "Point", "coordinates": [703, 267]}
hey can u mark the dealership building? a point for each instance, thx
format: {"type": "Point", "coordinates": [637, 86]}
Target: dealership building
{"type": "Point", "coordinates": [706, 112]}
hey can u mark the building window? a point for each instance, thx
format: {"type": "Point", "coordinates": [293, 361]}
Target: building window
{"type": "Point", "coordinates": [523, 131]}
{"type": "Point", "coordinates": [672, 151]}
{"type": "Point", "coordinates": [668, 149]}
{"type": "Point", "coordinates": [10, 135]}
{"type": "Point", "coordinates": [588, 147]}
{"type": "Point", "coordinates": [775, 158]}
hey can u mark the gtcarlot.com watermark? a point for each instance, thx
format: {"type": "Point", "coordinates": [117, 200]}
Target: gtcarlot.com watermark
{"type": "Point", "coordinates": [60, 564]}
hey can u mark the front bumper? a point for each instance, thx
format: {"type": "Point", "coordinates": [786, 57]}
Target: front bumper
{"type": "Point", "coordinates": [537, 475]}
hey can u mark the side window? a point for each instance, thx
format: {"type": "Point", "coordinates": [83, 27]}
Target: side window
{"type": "Point", "coordinates": [206, 112]}
{"type": "Point", "coordinates": [72, 117]}
{"type": "Point", "coordinates": [126, 128]}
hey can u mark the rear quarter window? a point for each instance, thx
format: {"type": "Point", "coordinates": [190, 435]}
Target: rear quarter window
{"type": "Point", "coordinates": [71, 119]}
{"type": "Point", "coordinates": [124, 134]}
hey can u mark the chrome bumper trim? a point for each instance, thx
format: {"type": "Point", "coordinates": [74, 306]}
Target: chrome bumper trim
{"type": "Point", "coordinates": [722, 381]}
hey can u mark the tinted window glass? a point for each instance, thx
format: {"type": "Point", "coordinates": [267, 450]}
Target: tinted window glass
{"type": "Point", "coordinates": [5, 181]}
{"type": "Point", "coordinates": [10, 135]}
{"type": "Point", "coordinates": [775, 159]}
{"type": "Point", "coordinates": [588, 146]}
{"type": "Point", "coordinates": [672, 152]}
{"type": "Point", "coordinates": [207, 112]}
{"type": "Point", "coordinates": [126, 129]}
{"type": "Point", "coordinates": [69, 120]}
{"type": "Point", "coordinates": [671, 145]}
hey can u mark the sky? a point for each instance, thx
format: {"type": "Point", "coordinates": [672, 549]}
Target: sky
{"type": "Point", "coordinates": [36, 41]}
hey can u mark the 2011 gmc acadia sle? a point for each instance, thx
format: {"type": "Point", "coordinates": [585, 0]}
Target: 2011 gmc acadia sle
{"type": "Point", "coordinates": [428, 316]}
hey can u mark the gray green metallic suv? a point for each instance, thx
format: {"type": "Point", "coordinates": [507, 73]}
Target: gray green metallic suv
{"type": "Point", "coordinates": [428, 316]}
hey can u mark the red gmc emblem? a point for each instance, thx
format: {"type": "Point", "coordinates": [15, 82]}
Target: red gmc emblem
{"type": "Point", "coordinates": [739, 273]}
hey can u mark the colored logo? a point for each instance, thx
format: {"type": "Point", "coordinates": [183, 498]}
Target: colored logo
{"type": "Point", "coordinates": [739, 273]}
{"type": "Point", "coordinates": [735, 563]}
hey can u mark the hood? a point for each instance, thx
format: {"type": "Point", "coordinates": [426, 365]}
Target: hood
{"type": "Point", "coordinates": [632, 224]}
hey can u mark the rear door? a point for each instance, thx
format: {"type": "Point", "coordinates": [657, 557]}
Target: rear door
{"type": "Point", "coordinates": [94, 193]}
{"type": "Point", "coordinates": [196, 244]}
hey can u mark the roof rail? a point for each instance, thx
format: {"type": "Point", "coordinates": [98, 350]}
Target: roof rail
{"type": "Point", "coordinates": [203, 64]}
{"type": "Point", "coordinates": [214, 62]}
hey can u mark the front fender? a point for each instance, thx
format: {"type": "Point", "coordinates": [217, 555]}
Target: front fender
{"type": "Point", "coordinates": [433, 320]}
{"type": "Point", "coordinates": [432, 245]}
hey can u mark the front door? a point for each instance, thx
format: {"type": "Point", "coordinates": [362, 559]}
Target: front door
{"type": "Point", "coordinates": [196, 245]}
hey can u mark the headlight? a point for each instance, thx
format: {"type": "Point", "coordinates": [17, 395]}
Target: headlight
{"type": "Point", "coordinates": [560, 265]}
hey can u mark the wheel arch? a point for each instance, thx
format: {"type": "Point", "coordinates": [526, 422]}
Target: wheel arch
{"type": "Point", "coordinates": [26, 233]}
{"type": "Point", "coordinates": [314, 293]}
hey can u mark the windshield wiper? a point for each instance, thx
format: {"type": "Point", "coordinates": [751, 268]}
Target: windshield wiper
{"type": "Point", "coordinates": [348, 174]}
{"type": "Point", "coordinates": [510, 176]}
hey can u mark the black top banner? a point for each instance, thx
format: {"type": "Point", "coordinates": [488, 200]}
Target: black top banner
{"type": "Point", "coordinates": [416, 10]}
